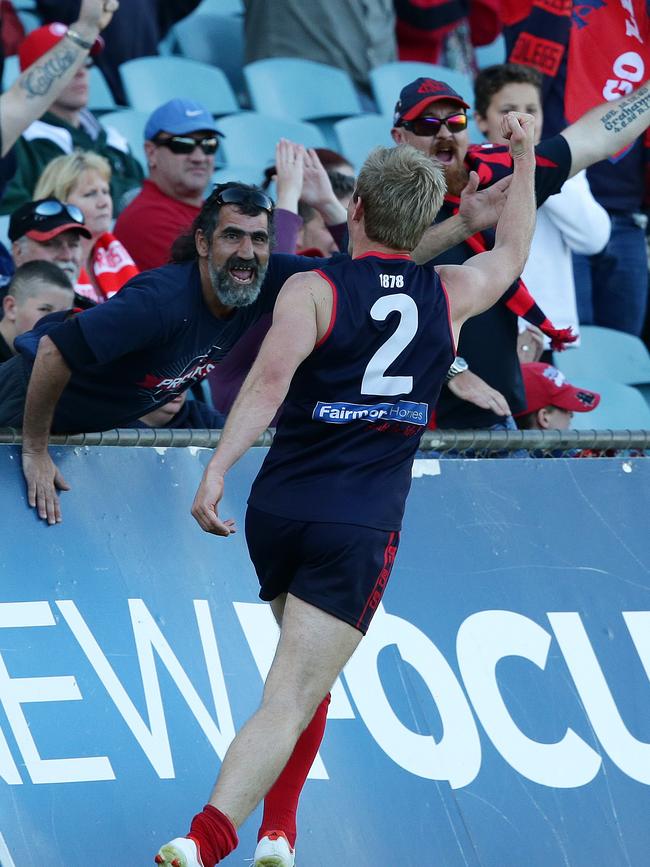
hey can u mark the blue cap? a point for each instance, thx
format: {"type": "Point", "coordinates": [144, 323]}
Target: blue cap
{"type": "Point", "coordinates": [179, 117]}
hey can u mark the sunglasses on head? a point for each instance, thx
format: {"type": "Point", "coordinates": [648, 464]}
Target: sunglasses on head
{"type": "Point", "coordinates": [183, 144]}
{"type": "Point", "coordinates": [433, 125]}
{"type": "Point", "coordinates": [238, 196]}
{"type": "Point", "coordinates": [52, 207]}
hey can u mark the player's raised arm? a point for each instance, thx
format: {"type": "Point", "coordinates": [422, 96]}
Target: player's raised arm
{"type": "Point", "coordinates": [608, 128]}
{"type": "Point", "coordinates": [480, 282]}
{"type": "Point", "coordinates": [300, 317]}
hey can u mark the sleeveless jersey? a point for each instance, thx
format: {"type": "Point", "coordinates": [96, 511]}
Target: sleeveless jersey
{"type": "Point", "coordinates": [359, 403]}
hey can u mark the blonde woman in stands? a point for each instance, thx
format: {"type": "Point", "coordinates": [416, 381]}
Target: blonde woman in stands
{"type": "Point", "coordinates": [83, 179]}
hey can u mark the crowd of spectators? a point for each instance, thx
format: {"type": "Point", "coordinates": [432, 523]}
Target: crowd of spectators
{"type": "Point", "coordinates": [84, 221]}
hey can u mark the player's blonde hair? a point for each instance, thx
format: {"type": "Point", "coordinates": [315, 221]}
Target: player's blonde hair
{"type": "Point", "coordinates": [61, 175]}
{"type": "Point", "coordinates": [402, 191]}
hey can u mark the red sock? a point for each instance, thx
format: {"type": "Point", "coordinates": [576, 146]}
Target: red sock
{"type": "Point", "coordinates": [281, 802]}
{"type": "Point", "coordinates": [214, 834]}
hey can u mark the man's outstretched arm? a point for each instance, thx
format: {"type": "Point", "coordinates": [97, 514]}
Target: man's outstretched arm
{"type": "Point", "coordinates": [482, 280]}
{"type": "Point", "coordinates": [608, 128]}
{"type": "Point", "coordinates": [50, 376]}
{"type": "Point", "coordinates": [290, 340]}
{"type": "Point", "coordinates": [35, 90]}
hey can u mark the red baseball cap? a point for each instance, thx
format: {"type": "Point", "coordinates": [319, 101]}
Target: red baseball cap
{"type": "Point", "coordinates": [39, 41]}
{"type": "Point", "coordinates": [417, 95]}
{"type": "Point", "coordinates": [547, 386]}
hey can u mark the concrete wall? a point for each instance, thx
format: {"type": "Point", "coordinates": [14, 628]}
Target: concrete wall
{"type": "Point", "coordinates": [497, 714]}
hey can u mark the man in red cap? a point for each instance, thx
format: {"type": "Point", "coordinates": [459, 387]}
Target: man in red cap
{"type": "Point", "coordinates": [68, 125]}
{"type": "Point", "coordinates": [550, 400]}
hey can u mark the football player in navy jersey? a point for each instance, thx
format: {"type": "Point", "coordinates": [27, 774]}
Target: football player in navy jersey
{"type": "Point", "coordinates": [357, 354]}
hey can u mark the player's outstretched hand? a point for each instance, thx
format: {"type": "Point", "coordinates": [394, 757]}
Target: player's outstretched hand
{"type": "Point", "coordinates": [481, 209]}
{"type": "Point", "coordinates": [97, 13]}
{"type": "Point", "coordinates": [206, 501]}
{"type": "Point", "coordinates": [43, 480]}
{"type": "Point", "coordinates": [468, 386]}
{"type": "Point", "coordinates": [519, 129]}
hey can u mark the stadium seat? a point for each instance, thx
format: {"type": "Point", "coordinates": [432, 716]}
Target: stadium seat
{"type": "Point", "coordinates": [4, 230]}
{"type": "Point", "coordinates": [217, 40]}
{"type": "Point", "coordinates": [300, 89]}
{"type": "Point", "coordinates": [10, 72]}
{"type": "Point", "coordinates": [220, 7]}
{"type": "Point", "coordinates": [386, 81]}
{"type": "Point", "coordinates": [250, 137]}
{"type": "Point", "coordinates": [621, 407]}
{"type": "Point", "coordinates": [612, 354]}
{"type": "Point", "coordinates": [100, 97]}
{"type": "Point", "coordinates": [152, 81]}
{"type": "Point", "coordinates": [131, 124]}
{"type": "Point", "coordinates": [357, 136]}
{"type": "Point", "coordinates": [245, 174]}
{"type": "Point", "coordinates": [489, 55]}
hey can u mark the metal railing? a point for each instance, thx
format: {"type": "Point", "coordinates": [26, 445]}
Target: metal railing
{"type": "Point", "coordinates": [476, 441]}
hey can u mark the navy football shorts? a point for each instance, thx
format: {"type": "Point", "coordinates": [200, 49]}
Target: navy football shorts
{"type": "Point", "coordinates": [342, 569]}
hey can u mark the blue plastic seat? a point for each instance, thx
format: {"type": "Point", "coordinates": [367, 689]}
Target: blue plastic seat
{"type": "Point", "coordinates": [250, 137]}
{"type": "Point", "coordinates": [387, 81]}
{"type": "Point", "coordinates": [243, 173]}
{"type": "Point", "coordinates": [300, 89]}
{"type": "Point", "coordinates": [100, 97]}
{"type": "Point", "coordinates": [10, 72]}
{"type": "Point", "coordinates": [130, 124]}
{"type": "Point", "coordinates": [152, 81]}
{"type": "Point", "coordinates": [357, 136]}
{"type": "Point", "coordinates": [621, 407]}
{"type": "Point", "coordinates": [217, 40]}
{"type": "Point", "coordinates": [490, 55]}
{"type": "Point", "coordinates": [605, 352]}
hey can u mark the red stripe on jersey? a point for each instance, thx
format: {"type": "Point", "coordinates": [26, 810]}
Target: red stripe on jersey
{"type": "Point", "coordinates": [334, 305]}
{"type": "Point", "coordinates": [383, 255]}
{"type": "Point", "coordinates": [382, 579]}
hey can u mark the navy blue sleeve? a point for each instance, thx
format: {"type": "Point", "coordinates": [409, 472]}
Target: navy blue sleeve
{"type": "Point", "coordinates": [132, 320]}
{"type": "Point", "coordinates": [281, 267]}
{"type": "Point", "coordinates": [71, 343]}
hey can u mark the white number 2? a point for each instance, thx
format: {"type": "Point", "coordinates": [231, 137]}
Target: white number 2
{"type": "Point", "coordinates": [374, 380]}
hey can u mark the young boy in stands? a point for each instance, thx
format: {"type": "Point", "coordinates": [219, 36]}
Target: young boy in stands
{"type": "Point", "coordinates": [550, 399]}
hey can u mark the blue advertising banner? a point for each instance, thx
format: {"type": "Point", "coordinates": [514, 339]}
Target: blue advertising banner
{"type": "Point", "coordinates": [496, 715]}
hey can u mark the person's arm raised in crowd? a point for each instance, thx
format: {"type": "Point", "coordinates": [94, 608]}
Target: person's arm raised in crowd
{"type": "Point", "coordinates": [317, 191]}
{"type": "Point", "coordinates": [50, 376]}
{"type": "Point", "coordinates": [608, 128]}
{"type": "Point", "coordinates": [477, 210]}
{"type": "Point", "coordinates": [480, 282]}
{"type": "Point", "coordinates": [35, 90]}
{"type": "Point", "coordinates": [300, 318]}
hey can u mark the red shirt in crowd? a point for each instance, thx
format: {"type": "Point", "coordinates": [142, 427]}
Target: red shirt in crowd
{"type": "Point", "coordinates": [151, 223]}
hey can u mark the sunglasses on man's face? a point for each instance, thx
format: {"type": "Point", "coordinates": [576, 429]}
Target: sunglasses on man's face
{"type": "Point", "coordinates": [433, 125]}
{"type": "Point", "coordinates": [182, 144]}
{"type": "Point", "coordinates": [52, 207]}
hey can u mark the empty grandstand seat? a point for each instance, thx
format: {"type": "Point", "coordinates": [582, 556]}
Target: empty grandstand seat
{"type": "Point", "coordinates": [489, 55]}
{"type": "Point", "coordinates": [217, 40]}
{"type": "Point", "coordinates": [100, 97]}
{"type": "Point", "coordinates": [300, 89]}
{"type": "Point", "coordinates": [621, 407]}
{"type": "Point", "coordinates": [608, 353]}
{"type": "Point", "coordinates": [243, 173]}
{"type": "Point", "coordinates": [152, 81]}
{"type": "Point", "coordinates": [4, 230]}
{"type": "Point", "coordinates": [386, 81]}
{"type": "Point", "coordinates": [357, 136]}
{"type": "Point", "coordinates": [131, 124]}
{"type": "Point", "coordinates": [251, 137]}
{"type": "Point", "coordinates": [10, 72]}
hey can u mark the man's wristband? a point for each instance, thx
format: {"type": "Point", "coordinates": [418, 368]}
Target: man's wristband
{"type": "Point", "coordinates": [458, 365]}
{"type": "Point", "coordinates": [79, 40]}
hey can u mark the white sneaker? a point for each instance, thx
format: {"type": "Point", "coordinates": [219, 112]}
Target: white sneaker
{"type": "Point", "coordinates": [274, 850]}
{"type": "Point", "coordinates": [180, 852]}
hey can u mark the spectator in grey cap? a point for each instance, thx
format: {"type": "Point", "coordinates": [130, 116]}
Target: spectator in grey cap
{"type": "Point", "coordinates": [181, 141]}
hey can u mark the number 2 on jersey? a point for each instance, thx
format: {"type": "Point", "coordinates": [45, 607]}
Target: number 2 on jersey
{"type": "Point", "coordinates": [374, 379]}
